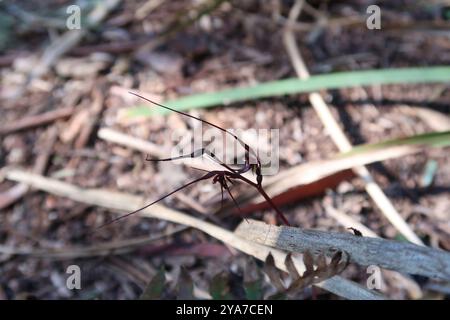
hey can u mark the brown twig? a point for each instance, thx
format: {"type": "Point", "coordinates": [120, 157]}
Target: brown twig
{"type": "Point", "coordinates": [73, 128]}
{"type": "Point", "coordinates": [36, 120]}
{"type": "Point", "coordinates": [94, 114]}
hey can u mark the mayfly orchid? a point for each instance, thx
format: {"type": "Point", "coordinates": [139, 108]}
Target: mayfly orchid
{"type": "Point", "coordinates": [222, 177]}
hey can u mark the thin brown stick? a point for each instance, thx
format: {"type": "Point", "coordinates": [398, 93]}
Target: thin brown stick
{"type": "Point", "coordinates": [94, 114]}
{"type": "Point", "coordinates": [37, 120]}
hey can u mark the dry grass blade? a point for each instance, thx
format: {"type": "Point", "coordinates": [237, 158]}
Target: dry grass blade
{"type": "Point", "coordinates": [122, 202]}
{"type": "Point", "coordinates": [345, 220]}
{"type": "Point", "coordinates": [439, 121]}
{"type": "Point", "coordinates": [151, 149]}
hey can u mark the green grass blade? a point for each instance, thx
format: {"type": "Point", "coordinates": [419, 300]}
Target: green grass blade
{"type": "Point", "coordinates": [434, 139]}
{"type": "Point", "coordinates": [295, 86]}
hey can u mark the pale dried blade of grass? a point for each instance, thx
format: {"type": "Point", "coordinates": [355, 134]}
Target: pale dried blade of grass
{"type": "Point", "coordinates": [152, 149]}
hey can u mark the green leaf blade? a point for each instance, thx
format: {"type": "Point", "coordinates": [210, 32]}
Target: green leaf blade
{"type": "Point", "coordinates": [290, 86]}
